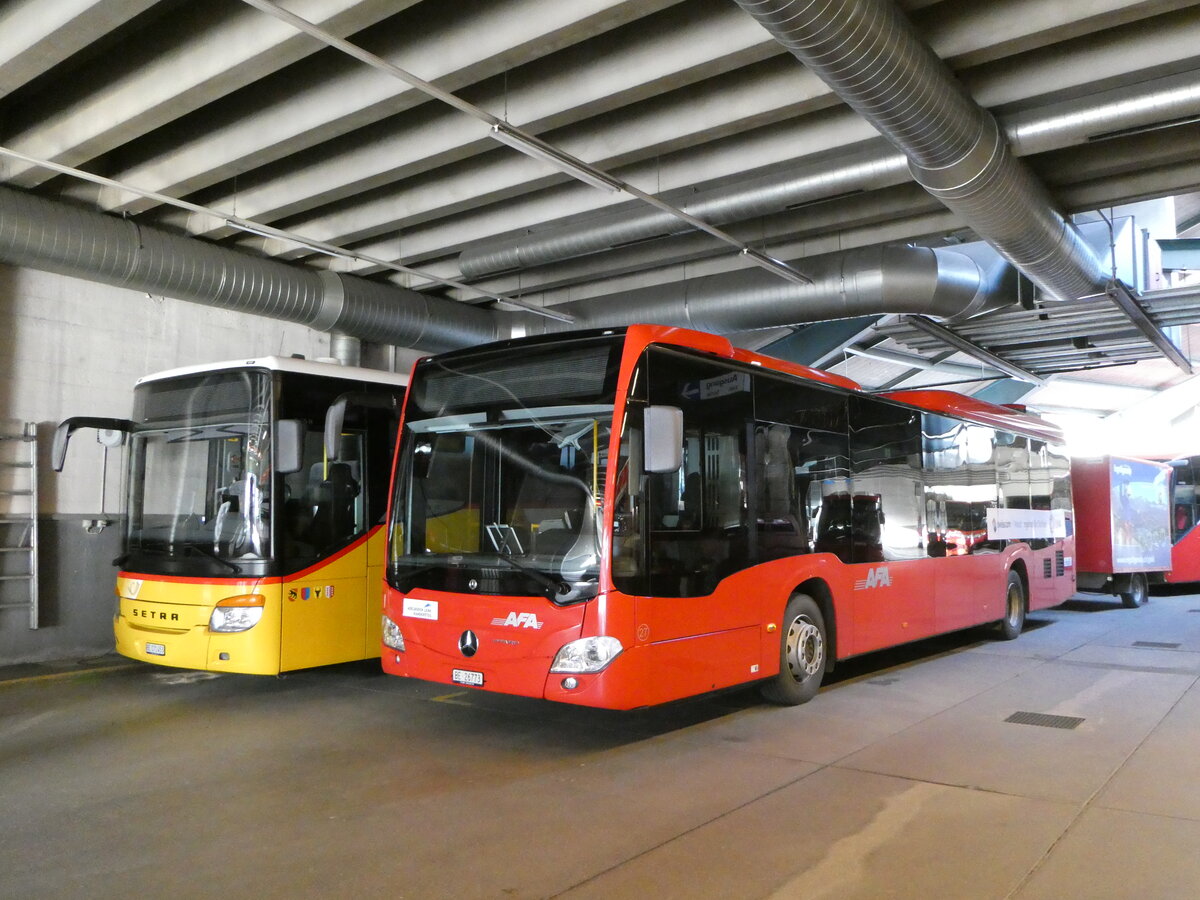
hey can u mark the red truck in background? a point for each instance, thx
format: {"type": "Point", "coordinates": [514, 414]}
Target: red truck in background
{"type": "Point", "coordinates": [1122, 525]}
{"type": "Point", "coordinates": [1185, 505]}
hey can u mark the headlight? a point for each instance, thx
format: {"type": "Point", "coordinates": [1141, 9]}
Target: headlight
{"type": "Point", "coordinates": [392, 636]}
{"type": "Point", "coordinates": [587, 655]}
{"type": "Point", "coordinates": [237, 613]}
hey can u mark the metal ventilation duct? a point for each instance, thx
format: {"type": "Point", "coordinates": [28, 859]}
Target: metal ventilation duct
{"type": "Point", "coordinates": [871, 280]}
{"type": "Point", "coordinates": [1073, 122]}
{"type": "Point", "coordinates": [49, 235]}
{"type": "Point", "coordinates": [869, 54]}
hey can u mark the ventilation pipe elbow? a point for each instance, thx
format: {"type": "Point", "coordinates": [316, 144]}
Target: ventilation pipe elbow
{"type": "Point", "coordinates": [870, 56]}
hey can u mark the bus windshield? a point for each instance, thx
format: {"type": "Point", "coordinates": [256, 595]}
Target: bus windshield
{"type": "Point", "coordinates": [199, 480]}
{"type": "Point", "coordinates": [501, 471]}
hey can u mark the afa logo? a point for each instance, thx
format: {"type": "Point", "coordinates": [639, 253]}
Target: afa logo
{"type": "Point", "coordinates": [876, 577]}
{"type": "Point", "coordinates": [518, 620]}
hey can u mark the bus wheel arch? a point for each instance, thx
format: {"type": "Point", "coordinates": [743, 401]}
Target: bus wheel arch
{"type": "Point", "coordinates": [1016, 604]}
{"type": "Point", "coordinates": [820, 593]}
{"type": "Point", "coordinates": [804, 649]}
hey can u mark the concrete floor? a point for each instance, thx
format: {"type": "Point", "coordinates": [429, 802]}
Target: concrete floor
{"type": "Point", "coordinates": [901, 779]}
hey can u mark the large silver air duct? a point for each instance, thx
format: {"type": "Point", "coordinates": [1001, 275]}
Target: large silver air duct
{"type": "Point", "coordinates": [869, 54]}
{"type": "Point", "coordinates": [50, 235]}
{"type": "Point", "coordinates": [53, 236]}
{"type": "Point", "coordinates": [945, 284]}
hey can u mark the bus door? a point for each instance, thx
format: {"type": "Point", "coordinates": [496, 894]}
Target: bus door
{"type": "Point", "coordinates": [327, 600]}
{"type": "Point", "coordinates": [694, 524]}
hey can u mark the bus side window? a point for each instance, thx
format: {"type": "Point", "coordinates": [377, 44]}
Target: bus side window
{"type": "Point", "coordinates": [887, 502]}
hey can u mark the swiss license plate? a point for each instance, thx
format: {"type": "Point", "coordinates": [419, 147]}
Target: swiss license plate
{"type": "Point", "coordinates": [156, 649]}
{"type": "Point", "coordinates": [466, 676]}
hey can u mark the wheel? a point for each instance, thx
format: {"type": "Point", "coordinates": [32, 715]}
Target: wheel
{"type": "Point", "coordinates": [1014, 608]}
{"type": "Point", "coordinates": [1138, 593]}
{"type": "Point", "coordinates": [801, 654]}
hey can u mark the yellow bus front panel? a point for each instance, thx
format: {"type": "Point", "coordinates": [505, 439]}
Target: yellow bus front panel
{"type": "Point", "coordinates": [166, 622]}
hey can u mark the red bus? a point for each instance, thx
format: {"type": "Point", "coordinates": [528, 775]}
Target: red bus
{"type": "Point", "coordinates": [626, 517]}
{"type": "Point", "coordinates": [1185, 508]}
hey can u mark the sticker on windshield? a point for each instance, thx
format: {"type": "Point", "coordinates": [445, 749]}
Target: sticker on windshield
{"type": "Point", "coordinates": [420, 609]}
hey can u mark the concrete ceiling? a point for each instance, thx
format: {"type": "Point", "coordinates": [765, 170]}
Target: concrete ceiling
{"type": "Point", "coordinates": [233, 108]}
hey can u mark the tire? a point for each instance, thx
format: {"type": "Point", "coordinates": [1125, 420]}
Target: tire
{"type": "Point", "coordinates": [1138, 593]}
{"type": "Point", "coordinates": [1009, 628]}
{"type": "Point", "coordinates": [802, 654]}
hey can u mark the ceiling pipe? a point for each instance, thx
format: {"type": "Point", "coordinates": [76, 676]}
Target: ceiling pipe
{"type": "Point", "coordinates": [1125, 110]}
{"type": "Point", "coordinates": [946, 284]}
{"type": "Point", "coordinates": [869, 54]}
{"type": "Point", "coordinates": [67, 240]}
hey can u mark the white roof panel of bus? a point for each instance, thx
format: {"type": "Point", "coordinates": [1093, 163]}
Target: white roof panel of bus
{"type": "Point", "coordinates": [285, 364]}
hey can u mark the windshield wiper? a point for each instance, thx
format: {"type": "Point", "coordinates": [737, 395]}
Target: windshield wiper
{"type": "Point", "coordinates": [234, 568]}
{"type": "Point", "coordinates": [402, 578]}
{"type": "Point", "coordinates": [553, 587]}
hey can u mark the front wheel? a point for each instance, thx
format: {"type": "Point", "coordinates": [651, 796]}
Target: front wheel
{"type": "Point", "coordinates": [1010, 626]}
{"type": "Point", "coordinates": [802, 657]}
{"type": "Point", "coordinates": [1138, 593]}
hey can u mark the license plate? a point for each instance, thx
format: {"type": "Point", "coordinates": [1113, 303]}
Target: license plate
{"type": "Point", "coordinates": [466, 676]}
{"type": "Point", "coordinates": [156, 649]}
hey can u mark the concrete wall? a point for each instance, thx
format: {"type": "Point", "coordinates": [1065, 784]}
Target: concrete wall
{"type": "Point", "coordinates": [71, 347]}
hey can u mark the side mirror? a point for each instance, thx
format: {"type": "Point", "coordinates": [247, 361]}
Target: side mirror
{"type": "Point", "coordinates": [663, 430]}
{"type": "Point", "coordinates": [62, 435]}
{"type": "Point", "coordinates": [289, 446]}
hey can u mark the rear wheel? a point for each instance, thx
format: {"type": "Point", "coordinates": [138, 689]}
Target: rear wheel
{"type": "Point", "coordinates": [802, 657]}
{"type": "Point", "coordinates": [1010, 626]}
{"type": "Point", "coordinates": [1138, 593]}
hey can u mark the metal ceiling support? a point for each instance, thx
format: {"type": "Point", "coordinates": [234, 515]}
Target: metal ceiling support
{"type": "Point", "coordinates": [869, 54]}
{"type": "Point", "coordinates": [912, 361]}
{"type": "Point", "coordinates": [1129, 305]}
{"type": "Point", "coordinates": [946, 336]}
{"type": "Point", "coordinates": [527, 143]}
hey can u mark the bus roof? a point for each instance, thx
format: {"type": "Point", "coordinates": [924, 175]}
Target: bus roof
{"type": "Point", "coordinates": [963, 407]}
{"type": "Point", "coordinates": [721, 346]}
{"type": "Point", "coordinates": [936, 401]}
{"type": "Point", "coordinates": [285, 364]}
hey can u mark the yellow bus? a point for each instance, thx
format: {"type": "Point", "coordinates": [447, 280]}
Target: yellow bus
{"type": "Point", "coordinates": [253, 537]}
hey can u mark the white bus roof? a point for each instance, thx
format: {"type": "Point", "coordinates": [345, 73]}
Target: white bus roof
{"type": "Point", "coordinates": [285, 364]}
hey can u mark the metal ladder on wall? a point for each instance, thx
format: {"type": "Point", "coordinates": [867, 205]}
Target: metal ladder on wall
{"type": "Point", "coordinates": [19, 517]}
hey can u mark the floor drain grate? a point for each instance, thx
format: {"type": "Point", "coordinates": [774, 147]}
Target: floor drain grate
{"type": "Point", "coordinates": [1157, 645]}
{"type": "Point", "coordinates": [1044, 719]}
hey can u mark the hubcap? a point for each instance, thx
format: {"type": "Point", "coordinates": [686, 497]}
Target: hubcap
{"type": "Point", "coordinates": [805, 648]}
{"type": "Point", "coordinates": [1014, 604]}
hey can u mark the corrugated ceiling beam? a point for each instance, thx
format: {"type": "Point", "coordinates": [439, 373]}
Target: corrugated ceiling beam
{"type": "Point", "coordinates": [946, 336]}
{"type": "Point", "coordinates": [207, 60]}
{"type": "Point", "coordinates": [35, 36]}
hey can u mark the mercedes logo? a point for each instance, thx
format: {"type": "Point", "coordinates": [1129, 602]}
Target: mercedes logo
{"type": "Point", "coordinates": [473, 584]}
{"type": "Point", "coordinates": [468, 644]}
